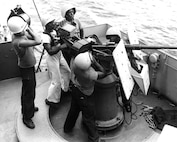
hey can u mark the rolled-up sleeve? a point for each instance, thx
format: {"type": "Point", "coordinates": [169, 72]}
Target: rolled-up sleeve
{"type": "Point", "coordinates": [45, 38]}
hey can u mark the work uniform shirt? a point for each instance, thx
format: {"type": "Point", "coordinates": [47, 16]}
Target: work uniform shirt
{"type": "Point", "coordinates": [26, 57]}
{"type": "Point", "coordinates": [85, 80]}
{"type": "Point", "coordinates": [47, 39]}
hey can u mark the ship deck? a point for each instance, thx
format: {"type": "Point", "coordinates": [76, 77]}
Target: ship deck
{"type": "Point", "coordinates": [49, 122]}
{"type": "Point", "coordinates": [133, 129]}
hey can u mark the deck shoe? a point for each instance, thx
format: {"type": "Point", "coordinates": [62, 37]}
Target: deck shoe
{"type": "Point", "coordinates": [29, 123]}
{"type": "Point", "coordinates": [51, 104]}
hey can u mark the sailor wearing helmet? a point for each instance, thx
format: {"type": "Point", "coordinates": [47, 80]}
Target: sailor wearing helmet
{"type": "Point", "coordinates": [58, 68]}
{"type": "Point", "coordinates": [68, 12]}
{"type": "Point", "coordinates": [82, 93]}
{"type": "Point", "coordinates": [23, 41]}
{"type": "Point", "coordinates": [113, 34]}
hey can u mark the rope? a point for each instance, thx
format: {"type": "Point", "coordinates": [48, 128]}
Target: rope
{"type": "Point", "coordinates": [38, 67]}
{"type": "Point", "coordinates": [37, 12]}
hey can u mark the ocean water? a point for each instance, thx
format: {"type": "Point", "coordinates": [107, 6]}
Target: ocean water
{"type": "Point", "coordinates": [155, 20]}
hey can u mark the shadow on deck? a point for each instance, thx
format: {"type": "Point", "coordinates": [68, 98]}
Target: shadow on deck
{"type": "Point", "coordinates": [49, 122]}
{"type": "Point", "coordinates": [133, 129]}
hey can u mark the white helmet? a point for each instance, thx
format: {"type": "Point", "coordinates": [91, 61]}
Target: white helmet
{"type": "Point", "coordinates": [113, 31]}
{"type": "Point", "coordinates": [65, 8]}
{"type": "Point", "coordinates": [46, 20]}
{"type": "Point", "coordinates": [16, 24]}
{"type": "Point", "coordinates": [83, 60]}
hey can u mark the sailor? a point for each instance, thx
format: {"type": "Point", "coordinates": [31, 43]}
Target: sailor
{"type": "Point", "coordinates": [68, 14]}
{"type": "Point", "coordinates": [23, 41]}
{"type": "Point", "coordinates": [58, 69]}
{"type": "Point", "coordinates": [113, 34]}
{"type": "Point", "coordinates": [6, 33]}
{"type": "Point", "coordinates": [84, 65]}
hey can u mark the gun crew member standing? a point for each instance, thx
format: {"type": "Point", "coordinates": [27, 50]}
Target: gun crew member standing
{"type": "Point", "coordinates": [84, 66]}
{"type": "Point", "coordinates": [58, 68]}
{"type": "Point", "coordinates": [113, 35]}
{"type": "Point", "coordinates": [68, 13]}
{"type": "Point", "coordinates": [23, 41]}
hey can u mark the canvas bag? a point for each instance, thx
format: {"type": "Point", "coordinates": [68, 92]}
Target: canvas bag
{"type": "Point", "coordinates": [162, 117]}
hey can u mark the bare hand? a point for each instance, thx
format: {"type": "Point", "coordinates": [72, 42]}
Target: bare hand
{"type": "Point", "coordinates": [29, 31]}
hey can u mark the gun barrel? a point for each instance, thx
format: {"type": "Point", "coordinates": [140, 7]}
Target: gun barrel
{"type": "Point", "coordinates": [139, 47]}
{"type": "Point", "coordinates": [134, 47]}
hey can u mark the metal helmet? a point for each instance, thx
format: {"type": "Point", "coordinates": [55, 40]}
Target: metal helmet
{"type": "Point", "coordinates": [16, 24]}
{"type": "Point", "coordinates": [83, 60]}
{"type": "Point", "coordinates": [45, 20]}
{"type": "Point", "coordinates": [154, 57]}
{"type": "Point", "coordinates": [113, 31]}
{"type": "Point", "coordinates": [65, 8]}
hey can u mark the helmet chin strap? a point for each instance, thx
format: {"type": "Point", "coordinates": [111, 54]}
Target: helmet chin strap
{"type": "Point", "coordinates": [73, 23]}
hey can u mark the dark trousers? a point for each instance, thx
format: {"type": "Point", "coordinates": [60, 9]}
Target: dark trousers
{"type": "Point", "coordinates": [28, 92]}
{"type": "Point", "coordinates": [86, 104]}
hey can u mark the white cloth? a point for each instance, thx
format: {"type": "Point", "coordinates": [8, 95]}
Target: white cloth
{"type": "Point", "coordinates": [45, 38]}
{"type": "Point", "coordinates": [59, 72]}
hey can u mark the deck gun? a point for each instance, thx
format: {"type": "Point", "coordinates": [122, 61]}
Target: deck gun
{"type": "Point", "coordinates": [103, 53]}
{"type": "Point", "coordinates": [130, 47]}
